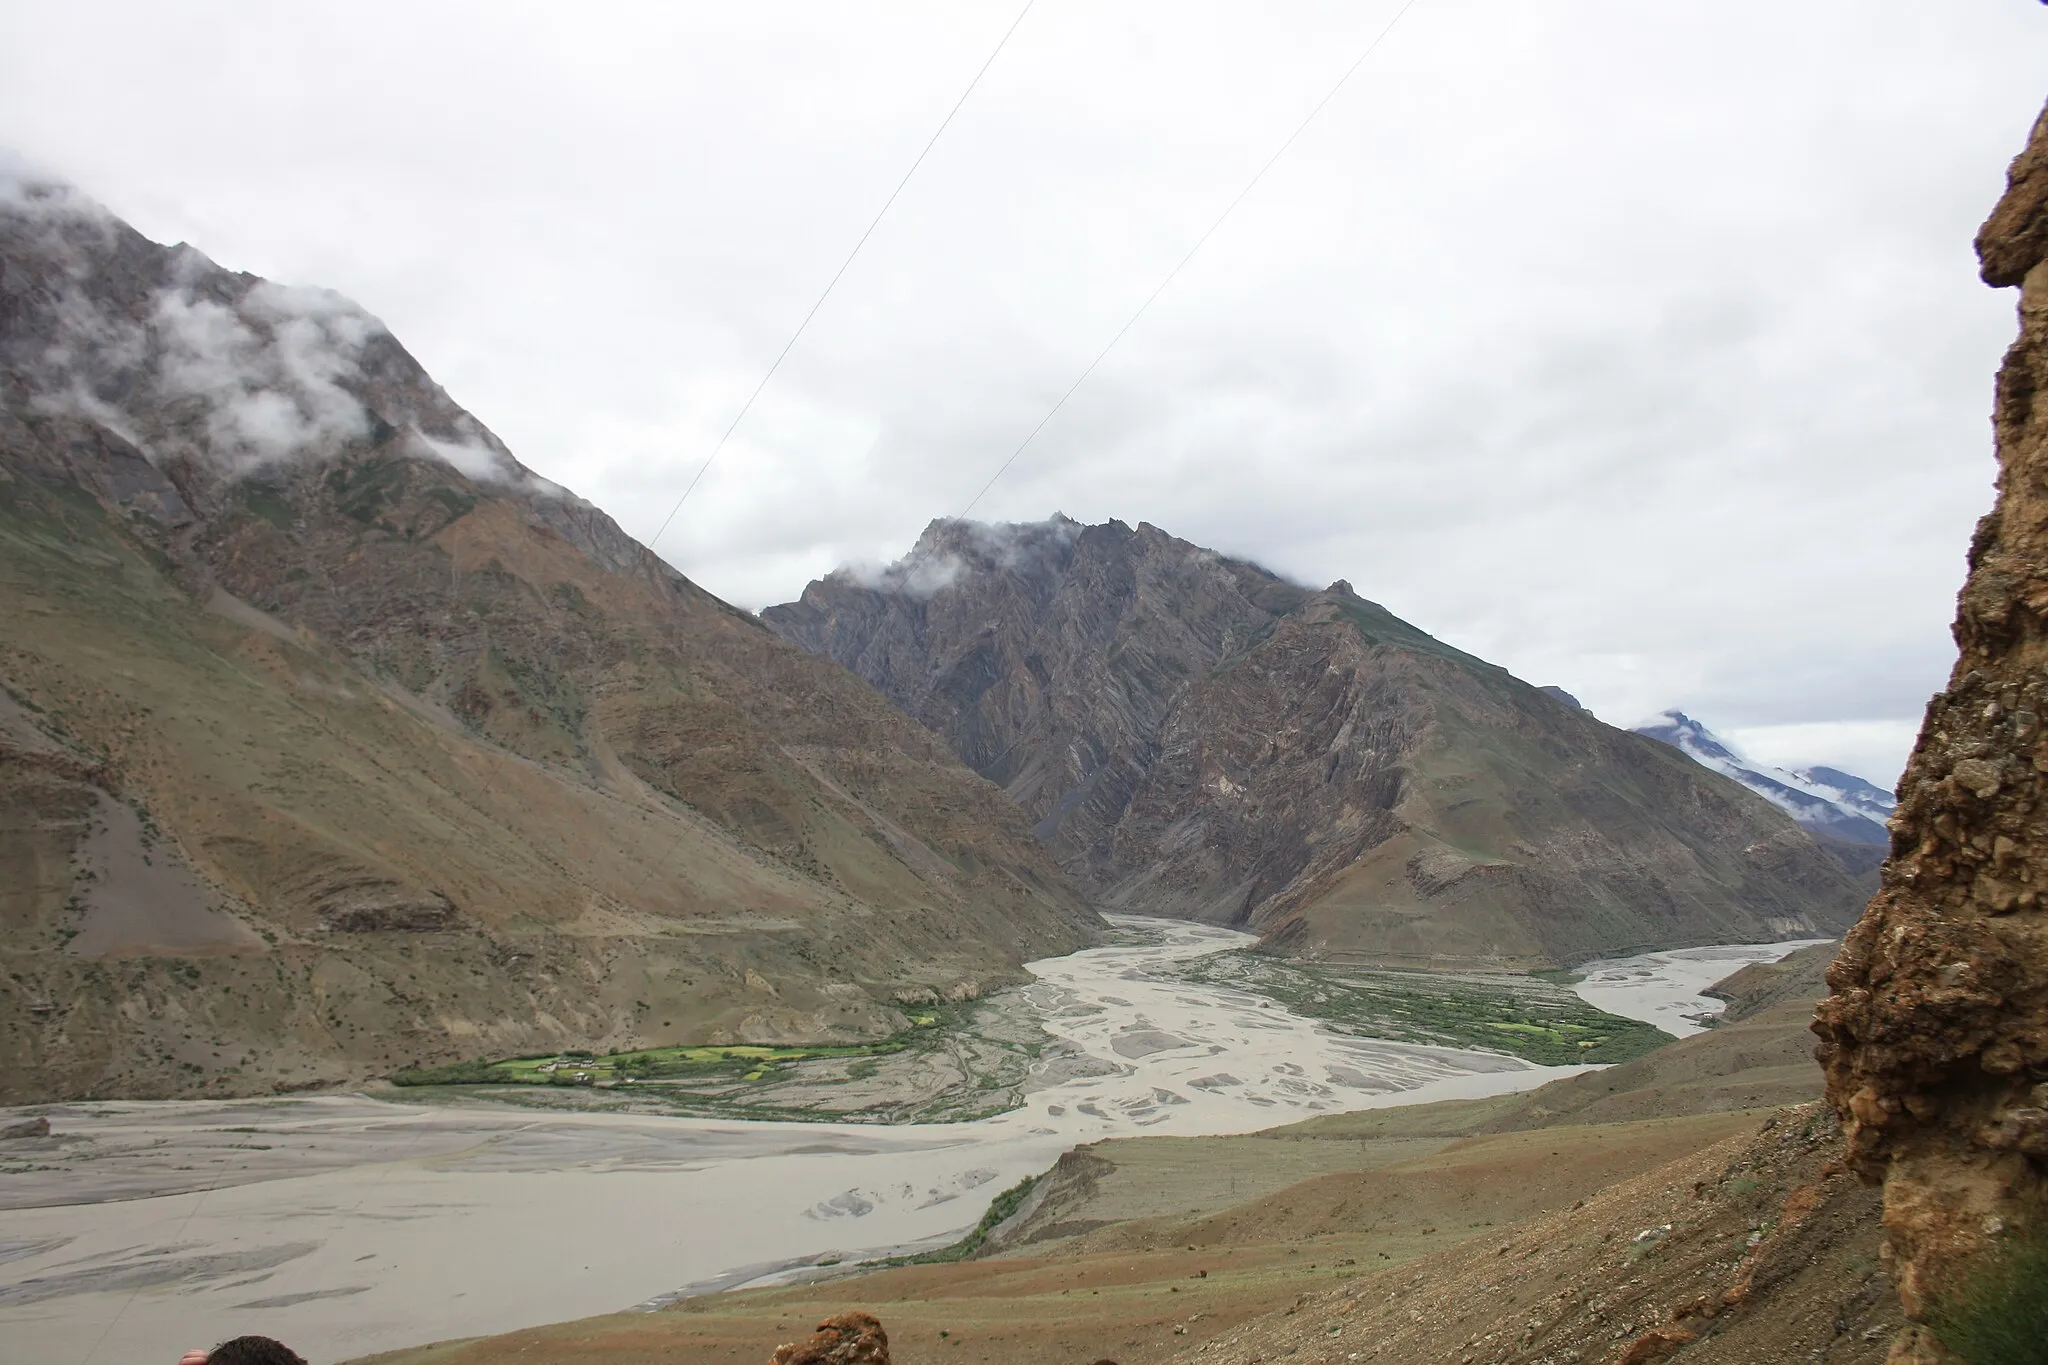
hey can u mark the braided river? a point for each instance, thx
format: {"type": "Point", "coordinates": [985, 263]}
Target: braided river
{"type": "Point", "coordinates": [344, 1224]}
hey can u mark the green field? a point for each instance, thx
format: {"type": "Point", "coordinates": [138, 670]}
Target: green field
{"type": "Point", "coordinates": [1530, 1017]}
{"type": "Point", "coordinates": [742, 1063]}
{"type": "Point", "coordinates": [955, 1062]}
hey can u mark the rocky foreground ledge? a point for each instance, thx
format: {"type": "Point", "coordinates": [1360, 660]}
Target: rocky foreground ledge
{"type": "Point", "coordinates": [1935, 1040]}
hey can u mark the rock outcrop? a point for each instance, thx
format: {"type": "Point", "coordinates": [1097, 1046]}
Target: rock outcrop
{"type": "Point", "coordinates": [1194, 736]}
{"type": "Point", "coordinates": [1935, 1040]}
{"type": "Point", "coordinates": [333, 740]}
{"type": "Point", "coordinates": [853, 1338]}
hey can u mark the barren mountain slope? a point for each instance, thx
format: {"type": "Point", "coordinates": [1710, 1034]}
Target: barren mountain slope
{"type": "Point", "coordinates": [335, 739]}
{"type": "Point", "coordinates": [1194, 736]}
{"type": "Point", "coordinates": [1756, 1250]}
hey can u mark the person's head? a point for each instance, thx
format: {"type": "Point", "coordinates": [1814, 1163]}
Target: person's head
{"type": "Point", "coordinates": [253, 1351]}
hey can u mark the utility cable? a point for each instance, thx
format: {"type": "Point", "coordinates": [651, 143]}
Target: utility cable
{"type": "Point", "coordinates": [931, 142]}
{"type": "Point", "coordinates": [790, 345]}
{"type": "Point", "coordinates": [1229, 209]}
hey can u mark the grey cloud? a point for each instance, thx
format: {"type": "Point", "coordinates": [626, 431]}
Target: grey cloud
{"type": "Point", "coordinates": [477, 461]}
{"type": "Point", "coordinates": [1011, 545]}
{"type": "Point", "coordinates": [914, 576]}
{"type": "Point", "coordinates": [268, 368]}
{"type": "Point", "coordinates": [270, 372]}
{"type": "Point", "coordinates": [933, 565]}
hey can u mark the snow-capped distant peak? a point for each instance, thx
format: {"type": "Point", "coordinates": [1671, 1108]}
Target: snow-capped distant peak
{"type": "Point", "coordinates": [1849, 790]}
{"type": "Point", "coordinates": [1682, 732]}
{"type": "Point", "coordinates": [1826, 800]}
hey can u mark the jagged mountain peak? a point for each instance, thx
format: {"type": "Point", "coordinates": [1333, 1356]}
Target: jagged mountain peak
{"type": "Point", "coordinates": [952, 546]}
{"type": "Point", "coordinates": [1192, 734]}
{"type": "Point", "coordinates": [215, 374]}
{"type": "Point", "coordinates": [203, 388]}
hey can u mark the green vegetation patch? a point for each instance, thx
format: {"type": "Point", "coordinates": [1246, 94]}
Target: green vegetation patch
{"type": "Point", "coordinates": [739, 1063]}
{"type": "Point", "coordinates": [1999, 1315]}
{"type": "Point", "coordinates": [267, 502]}
{"type": "Point", "coordinates": [1378, 626]}
{"type": "Point", "coordinates": [953, 1063]}
{"type": "Point", "coordinates": [1527, 1017]}
{"type": "Point", "coordinates": [1000, 1210]}
{"type": "Point", "coordinates": [364, 490]}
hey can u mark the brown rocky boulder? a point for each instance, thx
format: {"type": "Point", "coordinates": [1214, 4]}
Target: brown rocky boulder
{"type": "Point", "coordinates": [854, 1338]}
{"type": "Point", "coordinates": [1935, 1040]}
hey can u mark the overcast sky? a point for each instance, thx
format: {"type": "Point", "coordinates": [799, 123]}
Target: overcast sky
{"type": "Point", "coordinates": [1635, 346]}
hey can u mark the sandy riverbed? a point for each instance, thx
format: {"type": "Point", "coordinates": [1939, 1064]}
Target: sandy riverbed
{"type": "Point", "coordinates": [346, 1225]}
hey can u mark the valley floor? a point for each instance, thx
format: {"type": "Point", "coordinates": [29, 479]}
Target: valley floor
{"type": "Point", "coordinates": [1689, 1200]}
{"type": "Point", "coordinates": [348, 1224]}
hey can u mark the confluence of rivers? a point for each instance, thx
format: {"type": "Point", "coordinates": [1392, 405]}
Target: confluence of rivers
{"type": "Point", "coordinates": [345, 1225]}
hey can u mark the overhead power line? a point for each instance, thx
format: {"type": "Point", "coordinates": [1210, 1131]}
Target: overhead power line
{"type": "Point", "coordinates": [790, 345]}
{"type": "Point", "coordinates": [1200, 241]}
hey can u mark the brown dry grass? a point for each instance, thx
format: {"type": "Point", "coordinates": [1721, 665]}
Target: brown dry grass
{"type": "Point", "coordinates": [1757, 1250]}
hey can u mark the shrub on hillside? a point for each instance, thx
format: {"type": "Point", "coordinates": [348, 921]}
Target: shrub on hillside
{"type": "Point", "coordinates": [457, 1073]}
{"type": "Point", "coordinates": [1999, 1316]}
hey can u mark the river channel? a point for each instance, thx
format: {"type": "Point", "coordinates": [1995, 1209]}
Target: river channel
{"type": "Point", "coordinates": [345, 1225]}
{"type": "Point", "coordinates": [1664, 988]}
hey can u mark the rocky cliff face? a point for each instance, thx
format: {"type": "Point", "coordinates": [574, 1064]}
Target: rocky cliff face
{"type": "Point", "coordinates": [1194, 736]}
{"type": "Point", "coordinates": [1935, 1040]}
{"type": "Point", "coordinates": [333, 738]}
